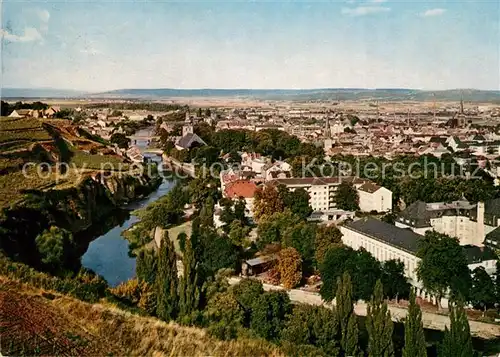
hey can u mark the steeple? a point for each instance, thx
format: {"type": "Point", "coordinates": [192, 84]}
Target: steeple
{"type": "Point", "coordinates": [328, 132]}
{"type": "Point", "coordinates": [461, 102]}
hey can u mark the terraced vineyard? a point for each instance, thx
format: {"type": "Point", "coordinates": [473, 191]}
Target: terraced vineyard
{"type": "Point", "coordinates": [33, 141]}
{"type": "Point", "coordinates": [21, 133]}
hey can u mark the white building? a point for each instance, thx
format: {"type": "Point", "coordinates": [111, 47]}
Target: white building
{"type": "Point", "coordinates": [468, 222]}
{"type": "Point", "coordinates": [385, 242]}
{"type": "Point", "coordinates": [322, 191]}
{"type": "Point", "coordinates": [373, 197]}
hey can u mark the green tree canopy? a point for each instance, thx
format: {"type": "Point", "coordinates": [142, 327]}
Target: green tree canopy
{"type": "Point", "coordinates": [269, 314]}
{"type": "Point", "coordinates": [443, 266]}
{"type": "Point", "coordinates": [457, 341]}
{"type": "Point", "coordinates": [146, 266]}
{"type": "Point", "coordinates": [414, 331]}
{"type": "Point", "coordinates": [347, 197]}
{"type": "Point", "coordinates": [483, 294]}
{"type": "Point", "coordinates": [394, 280]}
{"type": "Point", "coordinates": [55, 248]}
{"type": "Point", "coordinates": [379, 325]}
{"type": "Point", "coordinates": [167, 281]}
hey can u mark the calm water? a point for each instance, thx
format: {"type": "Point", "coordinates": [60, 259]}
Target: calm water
{"type": "Point", "coordinates": [107, 255]}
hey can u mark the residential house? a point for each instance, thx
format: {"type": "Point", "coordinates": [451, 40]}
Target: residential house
{"type": "Point", "coordinates": [242, 189]}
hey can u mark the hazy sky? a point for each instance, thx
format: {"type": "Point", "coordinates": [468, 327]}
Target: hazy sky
{"type": "Point", "coordinates": [102, 45]}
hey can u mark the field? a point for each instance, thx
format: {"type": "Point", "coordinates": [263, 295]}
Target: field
{"type": "Point", "coordinates": [34, 322]}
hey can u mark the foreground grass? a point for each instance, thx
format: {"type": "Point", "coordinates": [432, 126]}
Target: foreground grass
{"type": "Point", "coordinates": [37, 322]}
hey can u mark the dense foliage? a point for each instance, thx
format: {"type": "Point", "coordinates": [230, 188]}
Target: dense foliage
{"type": "Point", "coordinates": [443, 266]}
{"type": "Point", "coordinates": [364, 271]}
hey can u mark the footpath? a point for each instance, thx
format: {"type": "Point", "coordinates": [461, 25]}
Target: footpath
{"type": "Point", "coordinates": [430, 320]}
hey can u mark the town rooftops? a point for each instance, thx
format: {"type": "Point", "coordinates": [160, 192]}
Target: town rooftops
{"type": "Point", "coordinates": [311, 181]}
{"type": "Point", "coordinates": [369, 187]}
{"type": "Point", "coordinates": [401, 238]}
{"type": "Point", "coordinates": [475, 254]}
{"type": "Point", "coordinates": [240, 188]}
{"type": "Point", "coordinates": [261, 260]}
{"type": "Point", "coordinates": [419, 213]}
{"type": "Point", "coordinates": [188, 140]}
{"type": "Point", "coordinates": [492, 239]}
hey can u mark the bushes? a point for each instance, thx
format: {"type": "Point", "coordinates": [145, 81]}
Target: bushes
{"type": "Point", "coordinates": [136, 293]}
{"type": "Point", "coordinates": [85, 286]}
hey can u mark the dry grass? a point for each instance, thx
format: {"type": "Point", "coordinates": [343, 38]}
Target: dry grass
{"type": "Point", "coordinates": [66, 326]}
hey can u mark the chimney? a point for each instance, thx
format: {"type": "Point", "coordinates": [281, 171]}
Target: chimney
{"type": "Point", "coordinates": [480, 234]}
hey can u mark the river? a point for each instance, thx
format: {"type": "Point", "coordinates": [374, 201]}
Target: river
{"type": "Point", "coordinates": [107, 255]}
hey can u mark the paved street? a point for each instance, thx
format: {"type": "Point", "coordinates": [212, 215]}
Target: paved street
{"type": "Point", "coordinates": [430, 320]}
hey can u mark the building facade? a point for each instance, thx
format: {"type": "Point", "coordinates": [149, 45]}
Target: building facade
{"type": "Point", "coordinates": [385, 242]}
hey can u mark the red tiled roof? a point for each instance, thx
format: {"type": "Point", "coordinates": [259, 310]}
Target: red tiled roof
{"type": "Point", "coordinates": [240, 188]}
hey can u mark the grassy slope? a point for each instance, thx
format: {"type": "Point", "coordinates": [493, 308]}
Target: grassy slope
{"type": "Point", "coordinates": [34, 322]}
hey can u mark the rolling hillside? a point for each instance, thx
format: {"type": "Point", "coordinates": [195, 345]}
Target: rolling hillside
{"type": "Point", "coordinates": [37, 322]}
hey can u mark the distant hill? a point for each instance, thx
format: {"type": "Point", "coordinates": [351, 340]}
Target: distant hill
{"type": "Point", "coordinates": [395, 94]}
{"type": "Point", "coordinates": [39, 93]}
{"type": "Point", "coordinates": [470, 95]}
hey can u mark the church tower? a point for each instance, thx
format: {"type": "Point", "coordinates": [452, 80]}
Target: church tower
{"type": "Point", "coordinates": [328, 131]}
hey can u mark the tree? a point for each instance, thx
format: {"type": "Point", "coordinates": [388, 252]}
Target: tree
{"type": "Point", "coordinates": [290, 267]}
{"type": "Point", "coordinates": [326, 237]}
{"type": "Point", "coordinates": [167, 281]}
{"type": "Point", "coordinates": [365, 271]}
{"type": "Point", "coordinates": [271, 229]}
{"type": "Point", "coordinates": [146, 266]}
{"type": "Point", "coordinates": [232, 211]}
{"type": "Point", "coordinates": [347, 197]}
{"type": "Point", "coordinates": [394, 281]}
{"type": "Point", "coordinates": [414, 331]}
{"type": "Point", "coordinates": [238, 234]}
{"type": "Point", "coordinates": [443, 266]}
{"type": "Point", "coordinates": [225, 316]}
{"type": "Point", "coordinates": [312, 325]}
{"type": "Point", "coordinates": [246, 292]}
{"type": "Point", "coordinates": [296, 201]}
{"type": "Point", "coordinates": [121, 140]}
{"type": "Point", "coordinates": [190, 285]}
{"type": "Point", "coordinates": [301, 236]}
{"type": "Point", "coordinates": [268, 314]}
{"type": "Point", "coordinates": [483, 294]}
{"type": "Point", "coordinates": [345, 315]}
{"type": "Point", "coordinates": [332, 268]}
{"type": "Point", "coordinates": [457, 341]}
{"type": "Point", "coordinates": [207, 213]}
{"type": "Point", "coordinates": [207, 155]}
{"type": "Point", "coordinates": [379, 325]}
{"type": "Point", "coordinates": [267, 201]}
{"type": "Point", "coordinates": [55, 248]}
{"type": "Point", "coordinates": [216, 252]}
{"type": "Point", "coordinates": [352, 342]}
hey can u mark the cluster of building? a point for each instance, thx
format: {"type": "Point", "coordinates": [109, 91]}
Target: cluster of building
{"type": "Point", "coordinates": [256, 170]}
{"type": "Point", "coordinates": [475, 225]}
{"type": "Point", "coordinates": [35, 113]}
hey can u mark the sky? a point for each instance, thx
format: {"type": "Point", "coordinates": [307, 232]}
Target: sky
{"type": "Point", "coordinates": [104, 45]}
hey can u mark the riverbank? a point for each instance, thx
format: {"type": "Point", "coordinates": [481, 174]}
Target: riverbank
{"type": "Point", "coordinates": [109, 254]}
{"type": "Point", "coordinates": [75, 209]}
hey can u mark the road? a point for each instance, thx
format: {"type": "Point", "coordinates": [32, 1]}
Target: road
{"type": "Point", "coordinates": [398, 314]}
